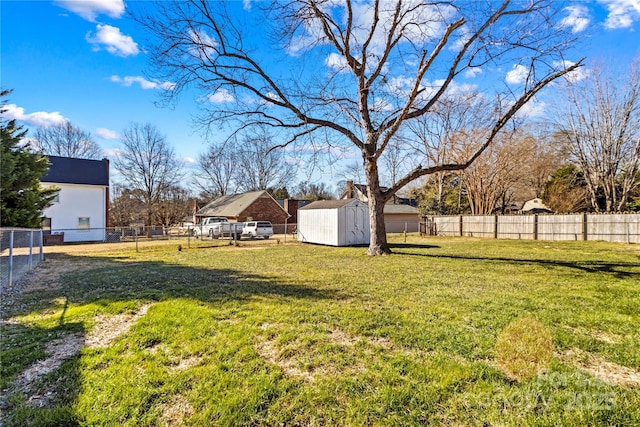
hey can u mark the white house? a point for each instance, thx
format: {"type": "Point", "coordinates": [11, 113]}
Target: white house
{"type": "Point", "coordinates": [81, 209]}
{"type": "Point", "coordinates": [334, 222]}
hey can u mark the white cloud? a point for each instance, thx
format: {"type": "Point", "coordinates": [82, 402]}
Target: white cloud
{"type": "Point", "coordinates": [472, 72]}
{"type": "Point", "coordinates": [532, 109]}
{"type": "Point", "coordinates": [578, 18]}
{"type": "Point", "coordinates": [105, 133]}
{"type": "Point", "coordinates": [144, 83]}
{"type": "Point", "coordinates": [574, 76]}
{"type": "Point", "coordinates": [39, 118]}
{"type": "Point", "coordinates": [203, 44]}
{"type": "Point", "coordinates": [90, 9]}
{"type": "Point", "coordinates": [111, 39]}
{"type": "Point", "coordinates": [336, 61]}
{"type": "Point", "coordinates": [113, 153]}
{"type": "Point", "coordinates": [622, 13]}
{"type": "Point", "coordinates": [221, 96]}
{"type": "Point", "coordinates": [517, 75]}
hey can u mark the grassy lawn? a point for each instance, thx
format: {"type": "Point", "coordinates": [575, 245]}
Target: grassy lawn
{"type": "Point", "coordinates": [311, 335]}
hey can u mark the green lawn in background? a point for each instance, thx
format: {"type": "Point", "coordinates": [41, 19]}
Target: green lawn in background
{"type": "Point", "coordinates": [290, 334]}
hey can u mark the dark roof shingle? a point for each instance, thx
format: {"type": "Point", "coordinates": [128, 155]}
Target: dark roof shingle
{"type": "Point", "coordinates": [68, 170]}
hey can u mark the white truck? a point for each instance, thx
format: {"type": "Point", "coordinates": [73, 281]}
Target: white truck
{"type": "Point", "coordinates": [216, 227]}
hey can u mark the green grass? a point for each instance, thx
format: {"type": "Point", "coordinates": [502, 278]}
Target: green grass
{"type": "Point", "coordinates": [312, 335]}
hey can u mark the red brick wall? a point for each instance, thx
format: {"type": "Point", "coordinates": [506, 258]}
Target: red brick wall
{"type": "Point", "coordinates": [264, 209]}
{"type": "Point", "coordinates": [291, 206]}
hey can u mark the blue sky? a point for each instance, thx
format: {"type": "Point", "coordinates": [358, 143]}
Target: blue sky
{"type": "Point", "coordinates": [85, 61]}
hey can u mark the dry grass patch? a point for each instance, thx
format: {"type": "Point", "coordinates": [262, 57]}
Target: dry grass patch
{"type": "Point", "coordinates": [176, 411]}
{"type": "Point", "coordinates": [109, 327]}
{"type": "Point", "coordinates": [292, 357]}
{"type": "Point", "coordinates": [187, 363]}
{"type": "Point", "coordinates": [602, 369]}
{"type": "Point", "coordinates": [524, 347]}
{"type": "Point", "coordinates": [269, 350]}
{"type": "Point", "coordinates": [605, 337]}
{"type": "Point", "coordinates": [58, 351]}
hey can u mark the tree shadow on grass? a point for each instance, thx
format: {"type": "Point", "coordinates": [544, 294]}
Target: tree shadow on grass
{"type": "Point", "coordinates": [412, 246]}
{"type": "Point", "coordinates": [620, 270]}
{"type": "Point", "coordinates": [102, 281]}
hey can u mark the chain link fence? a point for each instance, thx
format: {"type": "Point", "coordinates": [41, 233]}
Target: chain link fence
{"type": "Point", "coordinates": [20, 251]}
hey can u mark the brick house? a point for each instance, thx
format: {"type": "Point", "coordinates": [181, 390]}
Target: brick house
{"type": "Point", "coordinates": [254, 205]}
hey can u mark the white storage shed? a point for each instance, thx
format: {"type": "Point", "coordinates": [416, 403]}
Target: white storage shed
{"type": "Point", "coordinates": [334, 222]}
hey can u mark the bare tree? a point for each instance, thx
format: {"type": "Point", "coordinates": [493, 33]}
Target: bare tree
{"type": "Point", "coordinates": [310, 191]}
{"type": "Point", "coordinates": [386, 63]}
{"type": "Point", "coordinates": [544, 159]}
{"type": "Point", "coordinates": [217, 169]}
{"type": "Point", "coordinates": [174, 205]}
{"type": "Point", "coordinates": [148, 163]}
{"type": "Point", "coordinates": [66, 140]}
{"type": "Point", "coordinates": [456, 123]}
{"type": "Point", "coordinates": [601, 125]}
{"type": "Point", "coordinates": [125, 206]}
{"type": "Point", "coordinates": [396, 160]}
{"type": "Point", "coordinates": [492, 180]}
{"type": "Point", "coordinates": [261, 165]}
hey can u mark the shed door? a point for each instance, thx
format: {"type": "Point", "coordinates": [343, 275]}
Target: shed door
{"type": "Point", "coordinates": [355, 225]}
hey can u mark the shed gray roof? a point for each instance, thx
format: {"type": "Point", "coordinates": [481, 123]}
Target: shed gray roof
{"type": "Point", "coordinates": [330, 204]}
{"type": "Point", "coordinates": [69, 170]}
{"type": "Point", "coordinates": [232, 205]}
{"type": "Point", "coordinates": [389, 208]}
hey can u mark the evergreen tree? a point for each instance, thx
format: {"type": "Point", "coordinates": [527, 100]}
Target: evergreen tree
{"type": "Point", "coordinates": [22, 200]}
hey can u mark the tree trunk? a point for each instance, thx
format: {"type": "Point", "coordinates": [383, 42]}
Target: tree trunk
{"type": "Point", "coordinates": [378, 242]}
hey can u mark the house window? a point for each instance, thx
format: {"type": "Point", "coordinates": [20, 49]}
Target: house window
{"type": "Point", "coordinates": [46, 225]}
{"type": "Point", "coordinates": [83, 223]}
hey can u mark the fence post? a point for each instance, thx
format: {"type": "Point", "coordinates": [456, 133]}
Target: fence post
{"type": "Point", "coordinates": [10, 257]}
{"type": "Point", "coordinates": [30, 249]}
{"type": "Point", "coordinates": [460, 225]}
{"type": "Point", "coordinates": [41, 244]}
{"type": "Point", "coordinates": [535, 227]}
{"type": "Point", "coordinates": [495, 227]}
{"type": "Point", "coordinates": [585, 228]}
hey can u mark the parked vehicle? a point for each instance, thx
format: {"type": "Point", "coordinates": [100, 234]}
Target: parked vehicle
{"type": "Point", "coordinates": [216, 227]}
{"type": "Point", "coordinates": [253, 229]}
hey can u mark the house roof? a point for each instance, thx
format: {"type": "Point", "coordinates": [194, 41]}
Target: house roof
{"type": "Point", "coordinates": [535, 206]}
{"type": "Point", "coordinates": [330, 204]}
{"type": "Point", "coordinates": [68, 170]}
{"type": "Point", "coordinates": [392, 208]}
{"type": "Point", "coordinates": [232, 205]}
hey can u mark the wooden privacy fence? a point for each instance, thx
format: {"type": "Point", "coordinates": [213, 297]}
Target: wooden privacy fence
{"type": "Point", "coordinates": [623, 228]}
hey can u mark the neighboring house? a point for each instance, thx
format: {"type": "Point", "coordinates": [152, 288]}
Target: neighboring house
{"type": "Point", "coordinates": [535, 206]}
{"type": "Point", "coordinates": [400, 213]}
{"type": "Point", "coordinates": [291, 206]}
{"type": "Point", "coordinates": [254, 205]}
{"type": "Point", "coordinates": [343, 222]}
{"type": "Point", "coordinates": [81, 208]}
